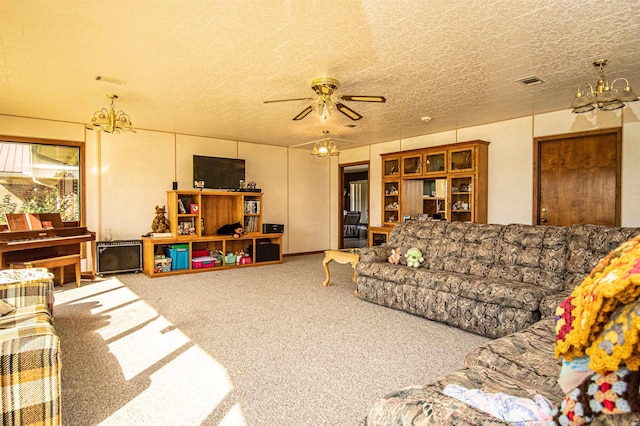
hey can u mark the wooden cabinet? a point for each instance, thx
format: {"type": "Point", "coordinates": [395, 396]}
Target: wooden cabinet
{"type": "Point", "coordinates": [447, 182]}
{"type": "Point", "coordinates": [412, 165]}
{"type": "Point", "coordinates": [391, 166]}
{"type": "Point", "coordinates": [379, 235]}
{"type": "Point", "coordinates": [194, 218]}
{"type": "Point", "coordinates": [390, 201]}
{"type": "Point", "coordinates": [435, 162]}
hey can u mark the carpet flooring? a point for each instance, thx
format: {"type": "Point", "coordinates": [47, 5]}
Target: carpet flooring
{"type": "Point", "coordinates": [250, 346]}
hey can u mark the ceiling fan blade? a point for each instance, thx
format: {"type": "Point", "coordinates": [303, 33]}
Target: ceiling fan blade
{"type": "Point", "coordinates": [348, 111]}
{"type": "Point", "coordinates": [363, 98]}
{"type": "Point", "coordinates": [287, 100]}
{"type": "Point", "coordinates": [304, 113]}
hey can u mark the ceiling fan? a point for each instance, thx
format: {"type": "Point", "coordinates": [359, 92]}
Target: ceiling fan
{"type": "Point", "coordinates": [326, 102]}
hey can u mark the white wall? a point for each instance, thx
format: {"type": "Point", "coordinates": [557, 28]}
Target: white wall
{"type": "Point", "coordinates": [128, 174]}
{"type": "Point", "coordinates": [137, 171]}
{"type": "Point", "coordinates": [510, 191]}
{"type": "Point", "coordinates": [311, 211]}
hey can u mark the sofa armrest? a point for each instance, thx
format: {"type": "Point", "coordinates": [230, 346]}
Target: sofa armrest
{"type": "Point", "coordinates": [26, 287]}
{"type": "Point", "coordinates": [375, 254]}
{"type": "Point", "coordinates": [31, 388]}
{"type": "Point", "coordinates": [549, 304]}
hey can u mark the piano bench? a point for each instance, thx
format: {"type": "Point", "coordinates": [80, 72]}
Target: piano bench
{"type": "Point", "coordinates": [53, 262]}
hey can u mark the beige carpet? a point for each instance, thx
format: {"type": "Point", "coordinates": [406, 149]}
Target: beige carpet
{"type": "Point", "coordinates": [254, 346]}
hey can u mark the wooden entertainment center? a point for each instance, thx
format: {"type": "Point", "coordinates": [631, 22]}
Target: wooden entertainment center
{"type": "Point", "coordinates": [194, 218]}
{"type": "Point", "coordinates": [446, 182]}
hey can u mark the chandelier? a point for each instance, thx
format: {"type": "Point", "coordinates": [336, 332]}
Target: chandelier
{"type": "Point", "coordinates": [325, 147]}
{"type": "Point", "coordinates": [110, 121]}
{"type": "Point", "coordinates": [605, 96]}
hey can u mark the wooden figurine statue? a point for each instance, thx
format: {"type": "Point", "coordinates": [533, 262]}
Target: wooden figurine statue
{"type": "Point", "coordinates": [160, 222]}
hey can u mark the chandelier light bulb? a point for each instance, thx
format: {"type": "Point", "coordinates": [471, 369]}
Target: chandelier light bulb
{"type": "Point", "coordinates": [605, 96]}
{"type": "Point", "coordinates": [110, 120]}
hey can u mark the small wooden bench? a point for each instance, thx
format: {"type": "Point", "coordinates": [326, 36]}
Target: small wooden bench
{"type": "Point", "coordinates": [53, 262]}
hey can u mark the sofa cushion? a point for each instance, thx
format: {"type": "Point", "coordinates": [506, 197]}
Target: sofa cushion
{"type": "Point", "coordinates": [421, 234]}
{"type": "Point", "coordinates": [467, 248]}
{"type": "Point", "coordinates": [32, 314]}
{"type": "Point", "coordinates": [387, 271]}
{"type": "Point", "coordinates": [531, 254]}
{"type": "Point", "coordinates": [490, 290]}
{"type": "Point", "coordinates": [587, 244]}
{"type": "Point", "coordinates": [525, 355]}
{"type": "Point", "coordinates": [422, 406]}
{"type": "Point", "coordinates": [5, 307]}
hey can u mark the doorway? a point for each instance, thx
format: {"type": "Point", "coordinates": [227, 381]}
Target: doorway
{"type": "Point", "coordinates": [577, 178]}
{"type": "Point", "coordinates": [354, 205]}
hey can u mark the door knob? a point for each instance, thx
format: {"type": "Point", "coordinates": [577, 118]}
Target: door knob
{"type": "Point", "coordinates": [543, 219]}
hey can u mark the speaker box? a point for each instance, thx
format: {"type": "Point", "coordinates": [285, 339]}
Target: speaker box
{"type": "Point", "coordinates": [119, 256]}
{"type": "Point", "coordinates": [266, 252]}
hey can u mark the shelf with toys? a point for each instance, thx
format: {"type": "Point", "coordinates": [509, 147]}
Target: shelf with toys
{"type": "Point", "coordinates": [211, 230]}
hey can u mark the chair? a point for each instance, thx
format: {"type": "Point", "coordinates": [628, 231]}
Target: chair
{"type": "Point", "coordinates": [350, 222]}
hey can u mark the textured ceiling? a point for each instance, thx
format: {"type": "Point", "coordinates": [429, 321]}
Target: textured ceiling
{"type": "Point", "coordinates": [205, 67]}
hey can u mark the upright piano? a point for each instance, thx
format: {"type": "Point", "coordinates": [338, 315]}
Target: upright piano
{"type": "Point", "coordinates": [22, 246]}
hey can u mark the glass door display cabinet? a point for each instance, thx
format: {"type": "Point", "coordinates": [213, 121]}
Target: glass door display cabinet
{"type": "Point", "coordinates": [390, 202]}
{"type": "Point", "coordinates": [461, 209]}
{"type": "Point", "coordinates": [391, 166]}
{"type": "Point", "coordinates": [446, 182]}
{"type": "Point", "coordinates": [462, 160]}
{"type": "Point", "coordinates": [412, 165]}
{"type": "Point", "coordinates": [435, 162]}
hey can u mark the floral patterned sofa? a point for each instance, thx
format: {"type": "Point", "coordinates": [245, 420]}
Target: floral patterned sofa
{"type": "Point", "coordinates": [30, 359]}
{"type": "Point", "coordinates": [538, 266]}
{"type": "Point", "coordinates": [485, 278]}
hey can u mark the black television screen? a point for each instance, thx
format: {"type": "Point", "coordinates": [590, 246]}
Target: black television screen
{"type": "Point", "coordinates": [217, 172]}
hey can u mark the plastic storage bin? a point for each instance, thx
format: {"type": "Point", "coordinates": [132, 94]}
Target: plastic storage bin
{"type": "Point", "coordinates": [200, 253]}
{"type": "Point", "coordinates": [203, 262]}
{"type": "Point", "coordinates": [230, 259]}
{"type": "Point", "coordinates": [179, 254]}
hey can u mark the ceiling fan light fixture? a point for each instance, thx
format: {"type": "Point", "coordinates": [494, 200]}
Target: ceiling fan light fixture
{"type": "Point", "coordinates": [605, 96]}
{"type": "Point", "coordinates": [326, 103]}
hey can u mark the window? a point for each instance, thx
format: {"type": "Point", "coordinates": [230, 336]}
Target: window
{"type": "Point", "coordinates": [40, 177]}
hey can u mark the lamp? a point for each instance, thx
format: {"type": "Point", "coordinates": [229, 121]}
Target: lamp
{"type": "Point", "coordinates": [110, 121]}
{"type": "Point", "coordinates": [325, 147]}
{"type": "Point", "coordinates": [605, 96]}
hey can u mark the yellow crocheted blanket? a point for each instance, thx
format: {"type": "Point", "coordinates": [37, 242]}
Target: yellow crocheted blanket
{"type": "Point", "coordinates": [582, 317]}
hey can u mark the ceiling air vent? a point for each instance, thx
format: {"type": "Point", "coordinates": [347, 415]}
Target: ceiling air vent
{"type": "Point", "coordinates": [113, 80]}
{"type": "Point", "coordinates": [532, 80]}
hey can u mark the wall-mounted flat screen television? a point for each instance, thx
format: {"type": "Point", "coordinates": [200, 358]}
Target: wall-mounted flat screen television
{"type": "Point", "coordinates": [217, 172]}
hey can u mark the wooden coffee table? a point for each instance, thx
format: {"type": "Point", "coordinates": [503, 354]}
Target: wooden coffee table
{"type": "Point", "coordinates": [341, 256]}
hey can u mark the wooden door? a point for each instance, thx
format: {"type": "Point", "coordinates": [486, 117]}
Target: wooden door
{"type": "Point", "coordinates": [577, 178]}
